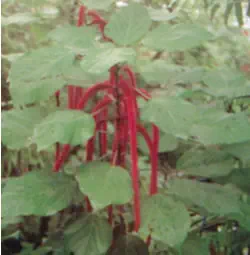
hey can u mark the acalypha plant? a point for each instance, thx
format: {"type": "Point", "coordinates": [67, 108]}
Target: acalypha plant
{"type": "Point", "coordinates": [120, 92]}
{"type": "Point", "coordinates": [85, 106]}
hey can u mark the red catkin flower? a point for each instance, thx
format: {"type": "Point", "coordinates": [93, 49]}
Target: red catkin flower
{"type": "Point", "coordinates": [81, 16]}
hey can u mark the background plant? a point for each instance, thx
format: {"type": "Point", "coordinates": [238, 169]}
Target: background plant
{"type": "Point", "coordinates": [198, 78]}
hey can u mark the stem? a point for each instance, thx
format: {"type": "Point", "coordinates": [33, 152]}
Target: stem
{"type": "Point", "coordinates": [154, 155]}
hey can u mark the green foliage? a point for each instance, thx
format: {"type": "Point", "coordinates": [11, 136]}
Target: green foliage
{"type": "Point", "coordinates": [18, 126]}
{"type": "Point", "coordinates": [171, 222]}
{"type": "Point", "coordinates": [90, 235]}
{"type": "Point", "coordinates": [38, 74]}
{"type": "Point", "coordinates": [128, 25]}
{"type": "Point", "coordinates": [207, 196]}
{"type": "Point", "coordinates": [100, 60]}
{"type": "Point", "coordinates": [203, 114]}
{"type": "Point", "coordinates": [224, 82]}
{"type": "Point", "coordinates": [98, 5]}
{"type": "Point", "coordinates": [110, 178]}
{"type": "Point", "coordinates": [68, 127]}
{"type": "Point", "coordinates": [72, 37]}
{"type": "Point", "coordinates": [208, 163]}
{"type": "Point", "coordinates": [37, 193]}
{"type": "Point", "coordinates": [178, 115]}
{"type": "Point", "coordinates": [177, 37]}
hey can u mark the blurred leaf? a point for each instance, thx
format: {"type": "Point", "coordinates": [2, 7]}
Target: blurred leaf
{"type": "Point", "coordinates": [167, 143]}
{"type": "Point", "coordinates": [214, 198]}
{"type": "Point", "coordinates": [97, 4]}
{"type": "Point", "coordinates": [228, 10]}
{"type": "Point", "coordinates": [128, 25]}
{"type": "Point", "coordinates": [196, 245]}
{"type": "Point", "coordinates": [208, 163]}
{"type": "Point", "coordinates": [161, 72]}
{"type": "Point", "coordinates": [169, 220]}
{"type": "Point", "coordinates": [178, 114]}
{"type": "Point", "coordinates": [37, 193]}
{"type": "Point", "coordinates": [214, 10]}
{"type": "Point", "coordinates": [239, 12]}
{"type": "Point", "coordinates": [66, 126]}
{"type": "Point", "coordinates": [239, 150]}
{"type": "Point", "coordinates": [12, 57]}
{"type": "Point", "coordinates": [176, 37]}
{"type": "Point", "coordinates": [18, 126]}
{"type": "Point", "coordinates": [100, 60]}
{"type": "Point", "coordinates": [160, 14]}
{"type": "Point", "coordinates": [239, 177]}
{"type": "Point", "coordinates": [222, 128]}
{"type": "Point", "coordinates": [89, 235]}
{"type": "Point", "coordinates": [19, 19]}
{"type": "Point", "coordinates": [79, 39]}
{"type": "Point", "coordinates": [36, 69]}
{"type": "Point", "coordinates": [110, 178]}
{"type": "Point", "coordinates": [75, 75]}
{"type": "Point", "coordinates": [227, 83]}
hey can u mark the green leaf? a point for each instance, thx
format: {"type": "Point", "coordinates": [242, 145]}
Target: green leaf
{"type": "Point", "coordinates": [100, 60]}
{"type": "Point", "coordinates": [196, 245]}
{"type": "Point", "coordinates": [168, 219]}
{"type": "Point", "coordinates": [160, 14]}
{"type": "Point", "coordinates": [243, 218]}
{"type": "Point", "coordinates": [111, 178]}
{"type": "Point", "coordinates": [65, 126]}
{"type": "Point", "coordinates": [80, 39]}
{"type": "Point", "coordinates": [209, 162]}
{"type": "Point", "coordinates": [239, 12]}
{"type": "Point", "coordinates": [167, 143]}
{"type": "Point", "coordinates": [214, 198]}
{"type": "Point", "coordinates": [19, 19]}
{"type": "Point", "coordinates": [39, 71]}
{"type": "Point", "coordinates": [161, 72]}
{"type": "Point", "coordinates": [128, 25]}
{"type": "Point", "coordinates": [177, 37]}
{"type": "Point", "coordinates": [33, 92]}
{"type": "Point", "coordinates": [239, 177]}
{"type": "Point", "coordinates": [222, 128]}
{"type": "Point", "coordinates": [214, 10]}
{"type": "Point", "coordinates": [89, 235]}
{"type": "Point", "coordinates": [37, 193]}
{"type": "Point", "coordinates": [172, 115]}
{"type": "Point", "coordinates": [97, 4]}
{"type": "Point", "coordinates": [18, 126]}
{"type": "Point", "coordinates": [226, 82]}
{"type": "Point", "coordinates": [240, 151]}
{"type": "Point", "coordinates": [75, 75]}
{"type": "Point", "coordinates": [228, 10]}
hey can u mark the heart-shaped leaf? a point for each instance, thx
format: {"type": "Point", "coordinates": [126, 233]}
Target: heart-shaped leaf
{"type": "Point", "coordinates": [67, 127]}
{"type": "Point", "coordinates": [100, 60]}
{"type": "Point", "coordinates": [89, 235]}
{"type": "Point", "coordinates": [128, 25]}
{"type": "Point", "coordinates": [167, 220]}
{"type": "Point", "coordinates": [37, 193]}
{"type": "Point", "coordinates": [101, 182]}
{"type": "Point", "coordinates": [176, 37]}
{"type": "Point", "coordinates": [38, 74]}
{"type": "Point", "coordinates": [18, 126]}
{"type": "Point", "coordinates": [208, 163]}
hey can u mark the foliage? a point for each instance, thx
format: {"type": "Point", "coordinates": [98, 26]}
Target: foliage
{"type": "Point", "coordinates": [84, 114]}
